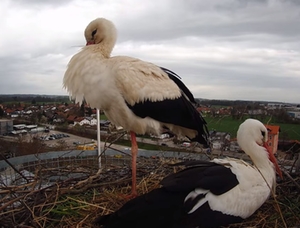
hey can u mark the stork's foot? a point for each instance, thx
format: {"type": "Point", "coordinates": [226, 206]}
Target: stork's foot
{"type": "Point", "coordinates": [129, 197]}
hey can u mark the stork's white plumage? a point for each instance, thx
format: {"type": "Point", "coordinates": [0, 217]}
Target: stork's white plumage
{"type": "Point", "coordinates": [139, 96]}
{"type": "Point", "coordinates": [207, 194]}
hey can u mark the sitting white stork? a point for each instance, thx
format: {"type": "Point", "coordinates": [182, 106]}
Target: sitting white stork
{"type": "Point", "coordinates": [139, 96]}
{"type": "Point", "coordinates": [206, 194]}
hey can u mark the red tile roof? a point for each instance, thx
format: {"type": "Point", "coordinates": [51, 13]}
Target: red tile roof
{"type": "Point", "coordinates": [9, 110]}
{"type": "Point", "coordinates": [203, 109]}
{"type": "Point", "coordinates": [71, 118]}
{"type": "Point", "coordinates": [78, 119]}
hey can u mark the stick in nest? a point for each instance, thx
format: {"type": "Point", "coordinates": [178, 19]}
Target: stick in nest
{"type": "Point", "coordinates": [87, 181]}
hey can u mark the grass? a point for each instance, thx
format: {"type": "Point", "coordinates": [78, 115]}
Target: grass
{"type": "Point", "coordinates": [227, 124]}
{"type": "Point", "coordinates": [147, 146]}
{"type": "Point", "coordinates": [223, 124]}
{"type": "Point", "coordinates": [292, 131]}
{"type": "Point", "coordinates": [103, 117]}
{"type": "Point", "coordinates": [67, 208]}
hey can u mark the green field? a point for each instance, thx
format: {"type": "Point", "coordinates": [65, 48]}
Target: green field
{"type": "Point", "coordinates": [227, 124]}
{"type": "Point", "coordinates": [103, 117]}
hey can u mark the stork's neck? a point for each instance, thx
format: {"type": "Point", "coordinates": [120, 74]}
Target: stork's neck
{"type": "Point", "coordinates": [258, 154]}
{"type": "Point", "coordinates": [105, 47]}
{"type": "Point", "coordinates": [260, 158]}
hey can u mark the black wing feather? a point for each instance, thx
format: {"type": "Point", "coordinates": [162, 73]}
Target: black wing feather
{"type": "Point", "coordinates": [177, 79]}
{"type": "Point", "coordinates": [180, 111]}
{"type": "Point", "coordinates": [165, 207]}
{"type": "Point", "coordinates": [216, 178]}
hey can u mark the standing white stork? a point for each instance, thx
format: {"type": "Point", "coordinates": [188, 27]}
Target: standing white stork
{"type": "Point", "coordinates": [207, 194]}
{"type": "Point", "coordinates": [139, 96]}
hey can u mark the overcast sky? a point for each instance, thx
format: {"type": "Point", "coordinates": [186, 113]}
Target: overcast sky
{"type": "Point", "coordinates": [222, 49]}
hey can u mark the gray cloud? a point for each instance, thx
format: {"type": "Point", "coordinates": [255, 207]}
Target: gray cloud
{"type": "Point", "coordinates": [39, 3]}
{"type": "Point", "coordinates": [224, 49]}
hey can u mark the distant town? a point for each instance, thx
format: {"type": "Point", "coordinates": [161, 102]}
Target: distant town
{"type": "Point", "coordinates": [23, 114]}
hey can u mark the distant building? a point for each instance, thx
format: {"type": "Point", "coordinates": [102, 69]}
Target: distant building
{"type": "Point", "coordinates": [19, 126]}
{"type": "Point", "coordinates": [273, 137]}
{"type": "Point", "coordinates": [219, 140]}
{"type": "Point", "coordinates": [255, 112]}
{"type": "Point", "coordinates": [217, 145]}
{"type": "Point", "coordinates": [294, 114]}
{"type": "Point", "coordinates": [6, 126]}
{"type": "Point", "coordinates": [274, 105]}
{"type": "Point", "coordinates": [81, 121]}
{"type": "Point", "coordinates": [234, 146]}
{"type": "Point", "coordinates": [85, 121]}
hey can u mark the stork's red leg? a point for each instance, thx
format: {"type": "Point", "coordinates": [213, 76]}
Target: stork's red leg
{"type": "Point", "coordinates": [134, 152]}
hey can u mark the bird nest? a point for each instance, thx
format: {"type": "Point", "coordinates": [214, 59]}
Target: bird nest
{"type": "Point", "coordinates": [77, 201]}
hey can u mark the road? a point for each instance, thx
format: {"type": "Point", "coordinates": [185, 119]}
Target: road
{"type": "Point", "coordinates": [69, 143]}
{"type": "Point", "coordinates": [82, 140]}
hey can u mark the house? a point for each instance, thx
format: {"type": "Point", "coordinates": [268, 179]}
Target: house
{"type": "Point", "coordinates": [234, 146]}
{"type": "Point", "coordinates": [85, 121]}
{"type": "Point", "coordinates": [14, 115]}
{"type": "Point", "coordinates": [9, 111]}
{"type": "Point", "coordinates": [71, 119]}
{"type": "Point", "coordinates": [164, 136]}
{"type": "Point", "coordinates": [223, 111]}
{"type": "Point", "coordinates": [104, 123]}
{"type": "Point", "coordinates": [274, 106]}
{"type": "Point", "coordinates": [219, 140]}
{"type": "Point", "coordinates": [49, 115]}
{"type": "Point", "coordinates": [81, 121]}
{"type": "Point", "coordinates": [204, 109]}
{"type": "Point", "coordinates": [294, 114]}
{"type": "Point", "coordinates": [59, 117]}
{"type": "Point", "coordinates": [256, 112]}
{"type": "Point", "coordinates": [29, 112]}
{"type": "Point", "coordinates": [273, 137]}
{"type": "Point", "coordinates": [91, 120]}
{"type": "Point", "coordinates": [217, 145]}
{"type": "Point", "coordinates": [6, 126]}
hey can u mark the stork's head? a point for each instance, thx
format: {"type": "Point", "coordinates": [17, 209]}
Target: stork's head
{"type": "Point", "coordinates": [253, 131]}
{"type": "Point", "coordinates": [99, 31]}
{"type": "Point", "coordinates": [256, 131]}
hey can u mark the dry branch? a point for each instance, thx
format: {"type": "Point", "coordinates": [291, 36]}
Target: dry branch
{"type": "Point", "coordinates": [76, 201]}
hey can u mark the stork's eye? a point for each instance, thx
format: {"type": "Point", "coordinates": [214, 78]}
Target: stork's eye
{"type": "Point", "coordinates": [263, 133]}
{"type": "Point", "coordinates": [94, 32]}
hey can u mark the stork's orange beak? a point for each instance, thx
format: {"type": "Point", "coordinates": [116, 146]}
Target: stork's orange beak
{"type": "Point", "coordinates": [90, 42]}
{"type": "Point", "coordinates": [273, 159]}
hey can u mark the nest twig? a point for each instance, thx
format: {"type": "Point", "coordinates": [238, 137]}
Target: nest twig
{"type": "Point", "coordinates": [76, 201]}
